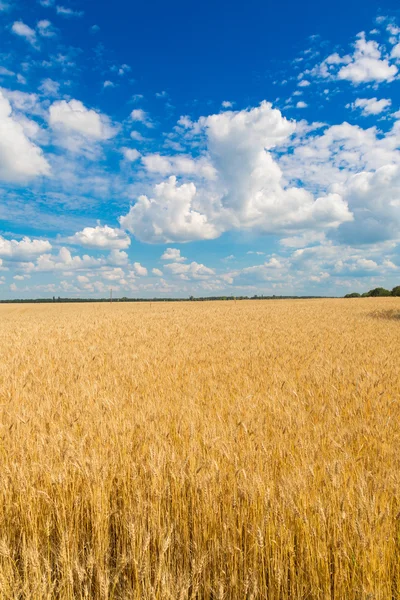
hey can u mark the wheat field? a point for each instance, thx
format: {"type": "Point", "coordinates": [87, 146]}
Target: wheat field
{"type": "Point", "coordinates": [192, 450]}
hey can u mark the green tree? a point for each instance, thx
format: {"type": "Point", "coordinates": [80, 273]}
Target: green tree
{"type": "Point", "coordinates": [353, 295]}
{"type": "Point", "coordinates": [396, 291]}
{"type": "Point", "coordinates": [379, 292]}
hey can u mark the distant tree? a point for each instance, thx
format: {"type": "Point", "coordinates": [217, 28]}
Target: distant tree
{"type": "Point", "coordinates": [353, 295]}
{"type": "Point", "coordinates": [396, 291]}
{"type": "Point", "coordinates": [379, 292]}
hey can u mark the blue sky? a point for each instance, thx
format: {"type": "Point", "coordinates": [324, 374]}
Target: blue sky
{"type": "Point", "coordinates": [176, 149]}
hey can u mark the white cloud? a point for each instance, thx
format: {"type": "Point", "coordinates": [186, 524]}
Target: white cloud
{"type": "Point", "coordinates": [123, 69]}
{"type": "Point", "coordinates": [23, 250]}
{"type": "Point", "coordinates": [324, 160]}
{"type": "Point", "coordinates": [135, 135]}
{"type": "Point", "coordinates": [301, 104]}
{"type": "Point", "coordinates": [68, 12]}
{"type": "Point", "coordinates": [367, 64]}
{"type": "Point", "coordinates": [193, 270]}
{"type": "Point", "coordinates": [173, 254]}
{"type": "Point", "coordinates": [157, 272]}
{"type": "Point", "coordinates": [49, 87]}
{"type": "Point", "coordinates": [141, 116]}
{"type": "Point", "coordinates": [139, 269]}
{"type": "Point", "coordinates": [115, 274]}
{"type": "Point", "coordinates": [131, 154]}
{"type": "Point", "coordinates": [227, 104]}
{"type": "Point", "coordinates": [101, 236]}
{"type": "Point", "coordinates": [371, 106]}
{"type": "Point", "coordinates": [45, 28]}
{"type": "Point", "coordinates": [82, 279]}
{"type": "Point", "coordinates": [75, 117]}
{"type": "Point", "coordinates": [108, 84]}
{"type": "Point", "coordinates": [395, 53]}
{"type": "Point", "coordinates": [64, 261]}
{"type": "Point", "coordinates": [178, 165]}
{"type": "Point", "coordinates": [325, 264]}
{"type": "Point", "coordinates": [247, 192]}
{"type": "Point", "coordinates": [23, 102]}
{"type": "Point", "coordinates": [168, 216]}
{"type": "Point", "coordinates": [303, 83]}
{"type": "Point", "coordinates": [117, 257]}
{"type": "Point", "coordinates": [6, 72]}
{"type": "Point", "coordinates": [255, 196]}
{"type": "Point", "coordinates": [23, 30]}
{"type": "Point", "coordinates": [20, 159]}
{"type": "Point", "coordinates": [374, 199]}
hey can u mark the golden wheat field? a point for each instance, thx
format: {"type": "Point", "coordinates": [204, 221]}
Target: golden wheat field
{"type": "Point", "coordinates": [213, 450]}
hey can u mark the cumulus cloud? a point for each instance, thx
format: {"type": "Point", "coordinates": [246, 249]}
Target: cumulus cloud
{"type": "Point", "coordinates": [65, 261]}
{"type": "Point", "coordinates": [139, 269]}
{"type": "Point", "coordinates": [193, 270]}
{"type": "Point", "coordinates": [374, 198]}
{"type": "Point", "coordinates": [173, 255]}
{"type": "Point", "coordinates": [367, 64]}
{"type": "Point", "coordinates": [45, 28]}
{"type": "Point", "coordinates": [23, 250]}
{"type": "Point", "coordinates": [157, 272]}
{"type": "Point", "coordinates": [20, 158]}
{"type": "Point", "coordinates": [178, 165]}
{"type": "Point", "coordinates": [115, 274]}
{"type": "Point", "coordinates": [23, 30]}
{"type": "Point", "coordinates": [131, 154]}
{"type": "Point", "coordinates": [73, 116]}
{"type": "Point", "coordinates": [254, 193]}
{"type": "Point", "coordinates": [49, 87]}
{"type": "Point", "coordinates": [141, 116]}
{"type": "Point", "coordinates": [371, 106]}
{"type": "Point", "coordinates": [68, 12]}
{"type": "Point", "coordinates": [118, 257]}
{"type": "Point", "coordinates": [328, 158]}
{"type": "Point", "coordinates": [169, 216]}
{"type": "Point", "coordinates": [395, 53]}
{"type": "Point", "coordinates": [247, 190]}
{"type": "Point", "coordinates": [101, 236]}
{"type": "Point", "coordinates": [137, 136]}
{"type": "Point", "coordinates": [23, 102]}
{"type": "Point", "coordinates": [6, 72]}
{"type": "Point", "coordinates": [337, 261]}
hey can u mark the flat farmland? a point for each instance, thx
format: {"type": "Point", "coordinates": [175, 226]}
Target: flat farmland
{"type": "Point", "coordinates": [192, 450]}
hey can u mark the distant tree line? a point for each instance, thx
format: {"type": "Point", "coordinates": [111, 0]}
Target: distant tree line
{"type": "Point", "coordinates": [125, 299]}
{"type": "Point", "coordinates": [376, 293]}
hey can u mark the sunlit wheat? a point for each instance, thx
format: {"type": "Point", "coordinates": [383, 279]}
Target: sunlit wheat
{"type": "Point", "coordinates": [200, 450]}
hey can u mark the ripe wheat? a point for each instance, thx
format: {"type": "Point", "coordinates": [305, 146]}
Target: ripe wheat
{"type": "Point", "coordinates": [200, 450]}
